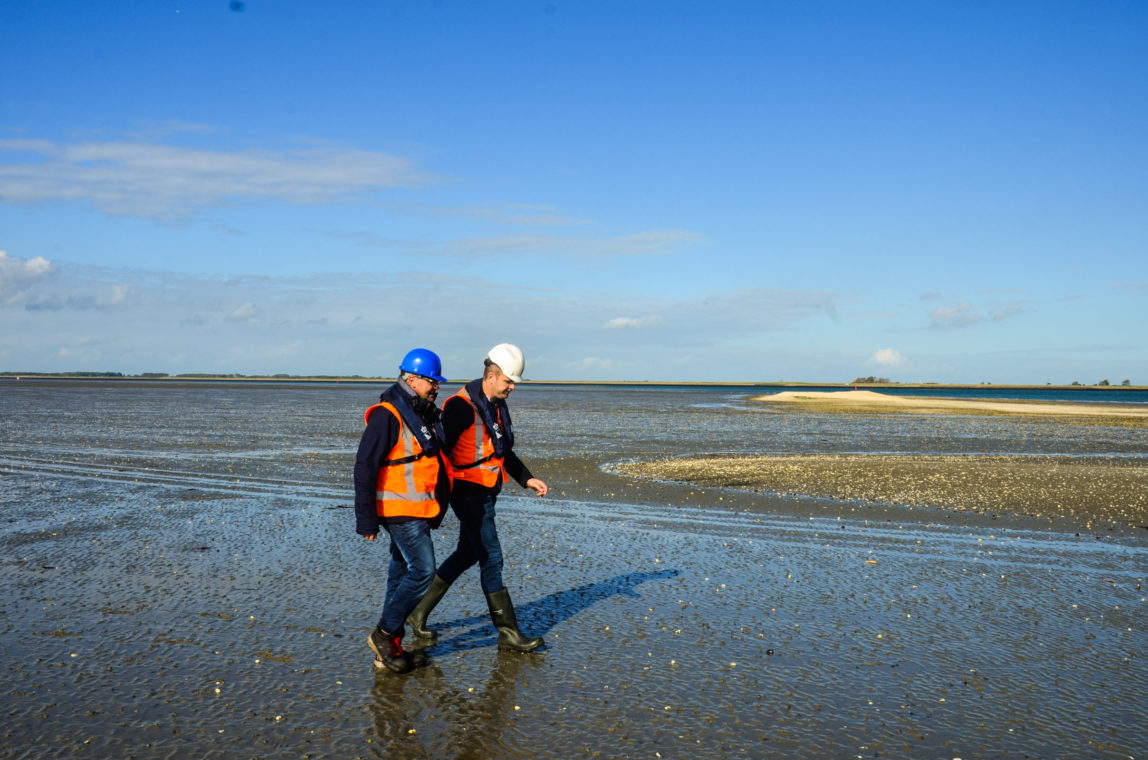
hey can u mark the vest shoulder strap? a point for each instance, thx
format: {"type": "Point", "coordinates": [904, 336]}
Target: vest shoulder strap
{"type": "Point", "coordinates": [402, 431]}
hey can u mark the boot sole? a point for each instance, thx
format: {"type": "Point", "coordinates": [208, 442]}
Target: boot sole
{"type": "Point", "coordinates": [511, 648]}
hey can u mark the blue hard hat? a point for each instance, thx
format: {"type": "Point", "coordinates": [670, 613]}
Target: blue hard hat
{"type": "Point", "coordinates": [423, 361]}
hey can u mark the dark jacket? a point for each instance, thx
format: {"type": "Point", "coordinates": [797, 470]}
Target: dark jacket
{"type": "Point", "coordinates": [379, 437]}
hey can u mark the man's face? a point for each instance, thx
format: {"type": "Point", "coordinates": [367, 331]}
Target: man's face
{"type": "Point", "coordinates": [424, 387]}
{"type": "Point", "coordinates": [497, 385]}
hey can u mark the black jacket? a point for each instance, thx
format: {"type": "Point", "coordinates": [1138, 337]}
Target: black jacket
{"type": "Point", "coordinates": [379, 437]}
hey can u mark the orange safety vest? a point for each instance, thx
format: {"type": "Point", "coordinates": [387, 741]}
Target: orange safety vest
{"type": "Point", "coordinates": [408, 475]}
{"type": "Point", "coordinates": [472, 457]}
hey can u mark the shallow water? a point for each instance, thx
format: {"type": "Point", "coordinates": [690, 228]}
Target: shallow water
{"type": "Point", "coordinates": [181, 578]}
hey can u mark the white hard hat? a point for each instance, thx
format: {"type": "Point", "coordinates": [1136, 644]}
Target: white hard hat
{"type": "Point", "coordinates": [509, 359]}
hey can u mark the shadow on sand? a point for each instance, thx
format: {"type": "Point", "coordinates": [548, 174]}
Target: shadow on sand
{"type": "Point", "coordinates": [539, 617]}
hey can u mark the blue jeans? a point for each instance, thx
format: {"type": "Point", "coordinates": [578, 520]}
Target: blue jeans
{"type": "Point", "coordinates": [410, 572]}
{"type": "Point", "coordinates": [477, 538]}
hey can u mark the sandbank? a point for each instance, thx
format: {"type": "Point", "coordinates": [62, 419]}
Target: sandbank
{"type": "Point", "coordinates": [871, 401]}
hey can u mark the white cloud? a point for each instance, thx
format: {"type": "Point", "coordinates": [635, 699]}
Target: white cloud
{"type": "Point", "coordinates": [18, 276]}
{"type": "Point", "coordinates": [887, 357]}
{"type": "Point", "coordinates": [120, 294]}
{"type": "Point", "coordinates": [623, 322]}
{"type": "Point", "coordinates": [161, 181]}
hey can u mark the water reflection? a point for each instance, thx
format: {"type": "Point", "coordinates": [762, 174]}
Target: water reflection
{"type": "Point", "coordinates": [429, 711]}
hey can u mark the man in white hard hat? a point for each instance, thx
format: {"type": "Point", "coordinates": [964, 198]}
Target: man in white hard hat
{"type": "Point", "coordinates": [480, 444]}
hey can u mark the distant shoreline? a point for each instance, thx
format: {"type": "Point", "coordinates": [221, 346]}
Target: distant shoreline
{"type": "Point", "coordinates": [203, 378]}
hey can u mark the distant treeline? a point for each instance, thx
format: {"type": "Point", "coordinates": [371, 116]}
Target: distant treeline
{"type": "Point", "coordinates": [871, 380]}
{"type": "Point", "coordinates": [186, 375]}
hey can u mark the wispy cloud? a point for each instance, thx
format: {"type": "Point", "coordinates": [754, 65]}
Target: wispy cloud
{"type": "Point", "coordinates": [1004, 311]}
{"type": "Point", "coordinates": [513, 214]}
{"type": "Point", "coordinates": [594, 363]}
{"type": "Point", "coordinates": [361, 323]}
{"type": "Point", "coordinates": [625, 322]}
{"type": "Point", "coordinates": [758, 309]}
{"type": "Point", "coordinates": [639, 244]}
{"type": "Point", "coordinates": [963, 314]}
{"type": "Point", "coordinates": [958, 315]}
{"type": "Point", "coordinates": [653, 241]}
{"type": "Point", "coordinates": [650, 243]}
{"type": "Point", "coordinates": [163, 182]}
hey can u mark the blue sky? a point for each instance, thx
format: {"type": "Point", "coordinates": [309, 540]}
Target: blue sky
{"type": "Point", "coordinates": [802, 191]}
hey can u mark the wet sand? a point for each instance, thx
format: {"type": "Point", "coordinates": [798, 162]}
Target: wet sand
{"type": "Point", "coordinates": [197, 591]}
{"type": "Point", "coordinates": [1094, 495]}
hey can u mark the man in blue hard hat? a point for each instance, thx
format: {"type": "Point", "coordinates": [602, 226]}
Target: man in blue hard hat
{"type": "Point", "coordinates": [402, 484]}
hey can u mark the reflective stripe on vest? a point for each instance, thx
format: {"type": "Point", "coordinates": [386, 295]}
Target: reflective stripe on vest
{"type": "Point", "coordinates": [473, 454]}
{"type": "Point", "coordinates": [406, 486]}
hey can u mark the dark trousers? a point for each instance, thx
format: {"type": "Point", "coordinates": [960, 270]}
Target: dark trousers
{"type": "Point", "coordinates": [477, 538]}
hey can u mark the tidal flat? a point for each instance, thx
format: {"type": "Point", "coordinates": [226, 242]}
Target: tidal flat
{"type": "Point", "coordinates": [181, 578]}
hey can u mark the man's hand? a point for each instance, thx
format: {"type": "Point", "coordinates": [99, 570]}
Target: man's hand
{"type": "Point", "coordinates": [537, 486]}
{"type": "Point", "coordinates": [370, 536]}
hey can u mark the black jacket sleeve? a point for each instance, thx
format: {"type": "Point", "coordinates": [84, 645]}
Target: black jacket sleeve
{"type": "Point", "coordinates": [378, 439]}
{"type": "Point", "coordinates": [516, 469]}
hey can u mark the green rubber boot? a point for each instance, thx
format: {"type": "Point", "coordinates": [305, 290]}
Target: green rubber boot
{"type": "Point", "coordinates": [502, 615]}
{"type": "Point", "coordinates": [418, 618]}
